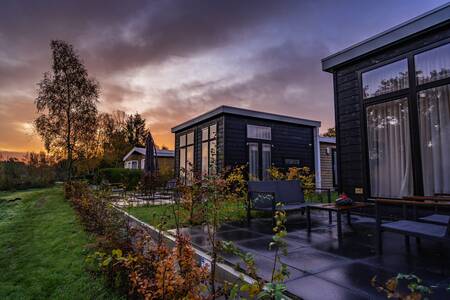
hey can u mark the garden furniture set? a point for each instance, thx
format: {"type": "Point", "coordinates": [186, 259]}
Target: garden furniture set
{"type": "Point", "coordinates": [288, 195]}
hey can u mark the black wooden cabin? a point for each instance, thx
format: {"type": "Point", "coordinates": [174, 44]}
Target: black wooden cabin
{"type": "Point", "coordinates": [392, 106]}
{"type": "Point", "coordinates": [229, 136]}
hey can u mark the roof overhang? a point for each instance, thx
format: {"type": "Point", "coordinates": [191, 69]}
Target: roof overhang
{"type": "Point", "coordinates": [432, 19]}
{"type": "Point", "coordinates": [246, 113]}
{"type": "Point", "coordinates": [141, 150]}
{"type": "Point", "coordinates": [327, 139]}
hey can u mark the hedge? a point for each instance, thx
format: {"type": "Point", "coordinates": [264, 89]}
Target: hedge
{"type": "Point", "coordinates": [128, 177]}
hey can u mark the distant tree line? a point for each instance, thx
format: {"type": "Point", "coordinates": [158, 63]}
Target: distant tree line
{"type": "Point", "coordinates": [34, 170]}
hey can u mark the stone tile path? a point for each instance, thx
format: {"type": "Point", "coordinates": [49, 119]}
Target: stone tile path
{"type": "Point", "coordinates": [319, 269]}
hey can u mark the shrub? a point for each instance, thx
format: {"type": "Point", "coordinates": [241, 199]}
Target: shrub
{"type": "Point", "coordinates": [304, 175]}
{"type": "Point", "coordinates": [128, 177]}
{"type": "Point", "coordinates": [16, 175]}
{"type": "Point", "coordinates": [131, 260]}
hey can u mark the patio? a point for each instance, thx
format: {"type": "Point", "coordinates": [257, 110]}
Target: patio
{"type": "Point", "coordinates": [320, 269]}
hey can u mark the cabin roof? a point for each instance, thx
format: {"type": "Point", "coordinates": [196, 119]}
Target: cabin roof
{"type": "Point", "coordinates": [327, 139]}
{"type": "Point", "coordinates": [141, 150]}
{"type": "Point", "coordinates": [246, 113]}
{"type": "Point", "coordinates": [431, 19]}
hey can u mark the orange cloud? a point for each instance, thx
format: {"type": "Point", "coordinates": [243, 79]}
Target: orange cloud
{"type": "Point", "coordinates": [16, 130]}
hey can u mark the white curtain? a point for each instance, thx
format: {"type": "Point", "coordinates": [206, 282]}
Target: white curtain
{"type": "Point", "coordinates": [259, 132]}
{"type": "Point", "coordinates": [266, 160]}
{"type": "Point", "coordinates": [253, 159]}
{"type": "Point", "coordinates": [389, 149]}
{"type": "Point", "coordinates": [434, 121]}
{"type": "Point", "coordinates": [205, 162]}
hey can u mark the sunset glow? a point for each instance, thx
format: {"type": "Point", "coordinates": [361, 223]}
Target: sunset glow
{"type": "Point", "coordinates": [173, 60]}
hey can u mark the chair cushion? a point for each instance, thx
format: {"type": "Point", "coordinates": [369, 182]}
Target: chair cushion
{"type": "Point", "coordinates": [287, 207]}
{"type": "Point", "coordinates": [416, 229]}
{"type": "Point", "coordinates": [436, 219]}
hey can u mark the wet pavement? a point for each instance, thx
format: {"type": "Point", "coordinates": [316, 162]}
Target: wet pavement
{"type": "Point", "coordinates": [321, 269]}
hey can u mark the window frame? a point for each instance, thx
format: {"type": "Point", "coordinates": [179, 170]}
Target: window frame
{"type": "Point", "coordinates": [256, 138]}
{"type": "Point", "coordinates": [423, 50]}
{"type": "Point", "coordinates": [208, 141]}
{"type": "Point", "coordinates": [185, 148]}
{"type": "Point", "coordinates": [417, 99]}
{"type": "Point", "coordinates": [381, 65]}
{"type": "Point", "coordinates": [411, 93]}
{"type": "Point", "coordinates": [259, 142]}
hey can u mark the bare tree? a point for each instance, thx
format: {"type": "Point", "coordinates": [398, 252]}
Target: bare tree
{"type": "Point", "coordinates": [66, 104]}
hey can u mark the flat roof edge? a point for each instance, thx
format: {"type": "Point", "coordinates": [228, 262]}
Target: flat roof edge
{"type": "Point", "coordinates": [247, 113]}
{"type": "Point", "coordinates": [327, 139]}
{"type": "Point", "coordinates": [435, 17]}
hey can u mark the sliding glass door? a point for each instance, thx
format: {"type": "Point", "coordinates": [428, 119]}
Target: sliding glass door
{"type": "Point", "coordinates": [253, 161]}
{"type": "Point", "coordinates": [266, 160]}
{"type": "Point", "coordinates": [407, 106]}
{"type": "Point", "coordinates": [434, 123]}
{"type": "Point", "coordinates": [389, 144]}
{"type": "Point", "coordinates": [259, 164]}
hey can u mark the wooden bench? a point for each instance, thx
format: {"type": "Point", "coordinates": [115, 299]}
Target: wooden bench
{"type": "Point", "coordinates": [418, 228]}
{"type": "Point", "coordinates": [288, 193]}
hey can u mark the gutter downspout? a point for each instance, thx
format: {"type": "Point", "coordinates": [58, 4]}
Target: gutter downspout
{"type": "Point", "coordinates": [317, 158]}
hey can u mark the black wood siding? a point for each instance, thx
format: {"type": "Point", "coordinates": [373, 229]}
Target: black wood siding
{"type": "Point", "coordinates": [352, 155]}
{"type": "Point", "coordinates": [288, 141]}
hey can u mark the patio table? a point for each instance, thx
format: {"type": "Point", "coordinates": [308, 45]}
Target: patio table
{"type": "Point", "coordinates": [338, 209]}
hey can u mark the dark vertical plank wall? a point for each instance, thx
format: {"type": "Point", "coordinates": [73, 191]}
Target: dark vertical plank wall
{"type": "Point", "coordinates": [288, 141]}
{"type": "Point", "coordinates": [352, 153]}
{"type": "Point", "coordinates": [198, 143]}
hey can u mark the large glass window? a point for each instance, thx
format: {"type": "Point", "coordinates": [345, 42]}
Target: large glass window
{"type": "Point", "coordinates": [388, 136]}
{"type": "Point", "coordinates": [253, 161]}
{"type": "Point", "coordinates": [266, 160]}
{"type": "Point", "coordinates": [212, 157]}
{"type": "Point", "coordinates": [204, 134]}
{"type": "Point", "coordinates": [189, 163]}
{"type": "Point", "coordinates": [259, 132]}
{"type": "Point", "coordinates": [434, 122]}
{"type": "Point", "coordinates": [209, 150]}
{"type": "Point", "coordinates": [182, 166]}
{"type": "Point", "coordinates": [190, 138]}
{"type": "Point", "coordinates": [213, 131]}
{"type": "Point", "coordinates": [386, 79]}
{"type": "Point", "coordinates": [389, 149]}
{"type": "Point", "coordinates": [205, 159]}
{"type": "Point", "coordinates": [186, 160]}
{"type": "Point", "coordinates": [433, 64]}
{"type": "Point", "coordinates": [183, 140]}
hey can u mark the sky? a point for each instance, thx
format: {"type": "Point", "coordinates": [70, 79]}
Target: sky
{"type": "Point", "coordinates": [173, 60]}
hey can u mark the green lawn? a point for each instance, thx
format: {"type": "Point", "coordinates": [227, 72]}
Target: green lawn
{"type": "Point", "coordinates": [42, 249]}
{"type": "Point", "coordinates": [154, 215]}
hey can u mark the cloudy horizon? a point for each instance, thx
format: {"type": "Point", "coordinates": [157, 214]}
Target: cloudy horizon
{"type": "Point", "coordinates": [173, 60]}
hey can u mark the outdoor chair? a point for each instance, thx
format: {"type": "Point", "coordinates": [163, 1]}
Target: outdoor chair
{"type": "Point", "coordinates": [265, 195]}
{"type": "Point", "coordinates": [434, 227]}
{"type": "Point", "coordinates": [436, 219]}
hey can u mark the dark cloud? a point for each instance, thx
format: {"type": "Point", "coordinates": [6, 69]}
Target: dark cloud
{"type": "Point", "coordinates": [182, 28]}
{"type": "Point", "coordinates": [289, 81]}
{"type": "Point", "coordinates": [281, 44]}
{"type": "Point", "coordinates": [121, 36]}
